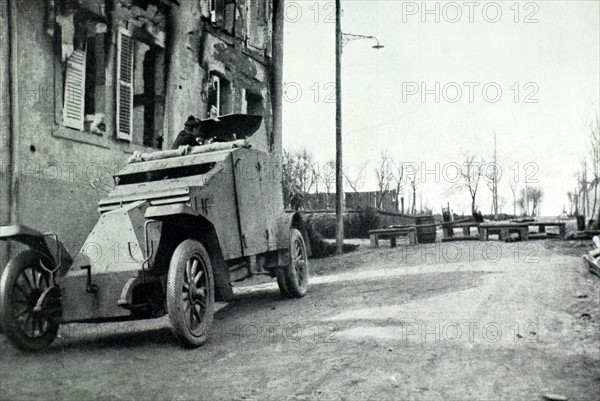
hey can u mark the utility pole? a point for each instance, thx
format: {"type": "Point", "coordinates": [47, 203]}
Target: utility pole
{"type": "Point", "coordinates": [339, 176]}
{"type": "Point", "coordinates": [526, 198]}
{"type": "Point", "coordinates": [576, 196]}
{"type": "Point", "coordinates": [585, 190]}
{"type": "Point", "coordinates": [495, 189]}
{"type": "Point", "coordinates": [340, 39]}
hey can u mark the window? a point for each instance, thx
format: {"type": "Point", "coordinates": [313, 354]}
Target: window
{"type": "Point", "coordinates": [82, 51]}
{"type": "Point", "coordinates": [222, 14]}
{"type": "Point", "coordinates": [95, 83]}
{"type": "Point", "coordinates": [84, 75]}
{"type": "Point", "coordinates": [252, 103]}
{"type": "Point", "coordinates": [256, 24]}
{"type": "Point", "coordinates": [220, 96]}
{"type": "Point", "coordinates": [140, 90]}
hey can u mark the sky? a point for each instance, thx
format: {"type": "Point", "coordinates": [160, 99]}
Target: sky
{"type": "Point", "coordinates": [439, 89]}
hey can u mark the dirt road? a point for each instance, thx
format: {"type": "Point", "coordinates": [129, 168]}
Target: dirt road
{"type": "Point", "coordinates": [458, 321]}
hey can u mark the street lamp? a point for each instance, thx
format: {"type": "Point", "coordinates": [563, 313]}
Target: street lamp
{"type": "Point", "coordinates": [341, 40]}
{"type": "Point", "coordinates": [348, 37]}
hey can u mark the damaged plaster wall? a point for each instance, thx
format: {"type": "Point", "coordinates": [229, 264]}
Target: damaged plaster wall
{"type": "Point", "coordinates": [53, 164]}
{"type": "Point", "coordinates": [206, 49]}
{"type": "Point", "coordinates": [185, 74]}
{"type": "Point", "coordinates": [247, 69]}
{"type": "Point", "coordinates": [245, 74]}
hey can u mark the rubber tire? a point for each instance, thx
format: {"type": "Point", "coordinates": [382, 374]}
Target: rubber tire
{"type": "Point", "coordinates": [182, 254]}
{"type": "Point", "coordinates": [280, 274]}
{"type": "Point", "coordinates": [292, 286]}
{"type": "Point", "coordinates": [12, 330]}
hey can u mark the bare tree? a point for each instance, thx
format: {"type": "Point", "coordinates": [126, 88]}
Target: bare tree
{"type": "Point", "coordinates": [288, 181]}
{"type": "Point", "coordinates": [492, 179]}
{"type": "Point", "coordinates": [356, 178]}
{"type": "Point", "coordinates": [586, 191]}
{"type": "Point", "coordinates": [328, 179]}
{"type": "Point", "coordinates": [385, 176]}
{"type": "Point", "coordinates": [513, 189]}
{"type": "Point", "coordinates": [471, 173]}
{"type": "Point", "coordinates": [595, 158]}
{"type": "Point", "coordinates": [583, 189]}
{"type": "Point", "coordinates": [305, 170]}
{"type": "Point", "coordinates": [398, 173]}
{"type": "Point", "coordinates": [535, 195]}
{"type": "Point", "coordinates": [352, 182]}
{"type": "Point", "coordinates": [299, 177]}
{"type": "Point", "coordinates": [530, 199]}
{"type": "Point", "coordinates": [413, 185]}
{"type": "Point", "coordinates": [572, 201]}
{"type": "Point", "coordinates": [523, 201]}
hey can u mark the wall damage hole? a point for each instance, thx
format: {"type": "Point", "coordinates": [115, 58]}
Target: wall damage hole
{"type": "Point", "coordinates": [32, 148]}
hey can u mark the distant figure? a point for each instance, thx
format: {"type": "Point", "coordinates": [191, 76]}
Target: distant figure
{"type": "Point", "coordinates": [189, 135]}
{"type": "Point", "coordinates": [447, 216]}
{"type": "Point", "coordinates": [448, 219]}
{"type": "Point", "coordinates": [478, 217]}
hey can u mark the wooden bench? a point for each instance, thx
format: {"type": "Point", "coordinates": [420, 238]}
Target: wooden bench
{"type": "Point", "coordinates": [503, 230]}
{"type": "Point", "coordinates": [562, 228]}
{"type": "Point", "coordinates": [392, 233]}
{"type": "Point", "coordinates": [593, 256]}
{"type": "Point", "coordinates": [448, 231]}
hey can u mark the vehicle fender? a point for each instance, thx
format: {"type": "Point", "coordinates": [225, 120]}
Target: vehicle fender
{"type": "Point", "coordinates": [176, 228]}
{"type": "Point", "coordinates": [46, 243]}
{"type": "Point", "coordinates": [289, 221]}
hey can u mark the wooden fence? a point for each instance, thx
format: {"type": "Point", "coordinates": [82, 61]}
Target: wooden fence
{"type": "Point", "coordinates": [353, 200]}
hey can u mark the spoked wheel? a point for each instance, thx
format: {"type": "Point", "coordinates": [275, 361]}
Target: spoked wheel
{"type": "Point", "coordinates": [22, 285]}
{"type": "Point", "coordinates": [293, 278]}
{"type": "Point", "coordinates": [190, 293]}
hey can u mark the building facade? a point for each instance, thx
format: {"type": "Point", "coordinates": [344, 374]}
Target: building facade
{"type": "Point", "coordinates": [85, 83]}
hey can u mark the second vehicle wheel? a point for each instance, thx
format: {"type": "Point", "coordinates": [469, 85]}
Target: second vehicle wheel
{"type": "Point", "coordinates": [21, 287]}
{"type": "Point", "coordinates": [190, 293]}
{"type": "Point", "coordinates": [293, 278]}
{"type": "Point", "coordinates": [280, 274]}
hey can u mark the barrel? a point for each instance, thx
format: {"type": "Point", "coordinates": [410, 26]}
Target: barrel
{"type": "Point", "coordinates": [425, 234]}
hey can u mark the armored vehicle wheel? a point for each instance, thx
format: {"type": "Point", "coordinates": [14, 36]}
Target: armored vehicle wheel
{"type": "Point", "coordinates": [190, 293]}
{"type": "Point", "coordinates": [293, 278]}
{"type": "Point", "coordinates": [22, 284]}
{"type": "Point", "coordinates": [280, 274]}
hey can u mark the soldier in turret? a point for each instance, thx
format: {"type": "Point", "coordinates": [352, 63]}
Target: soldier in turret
{"type": "Point", "coordinates": [190, 134]}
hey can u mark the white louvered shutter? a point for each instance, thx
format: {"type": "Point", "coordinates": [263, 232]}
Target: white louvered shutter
{"type": "Point", "coordinates": [125, 57]}
{"type": "Point", "coordinates": [74, 102]}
